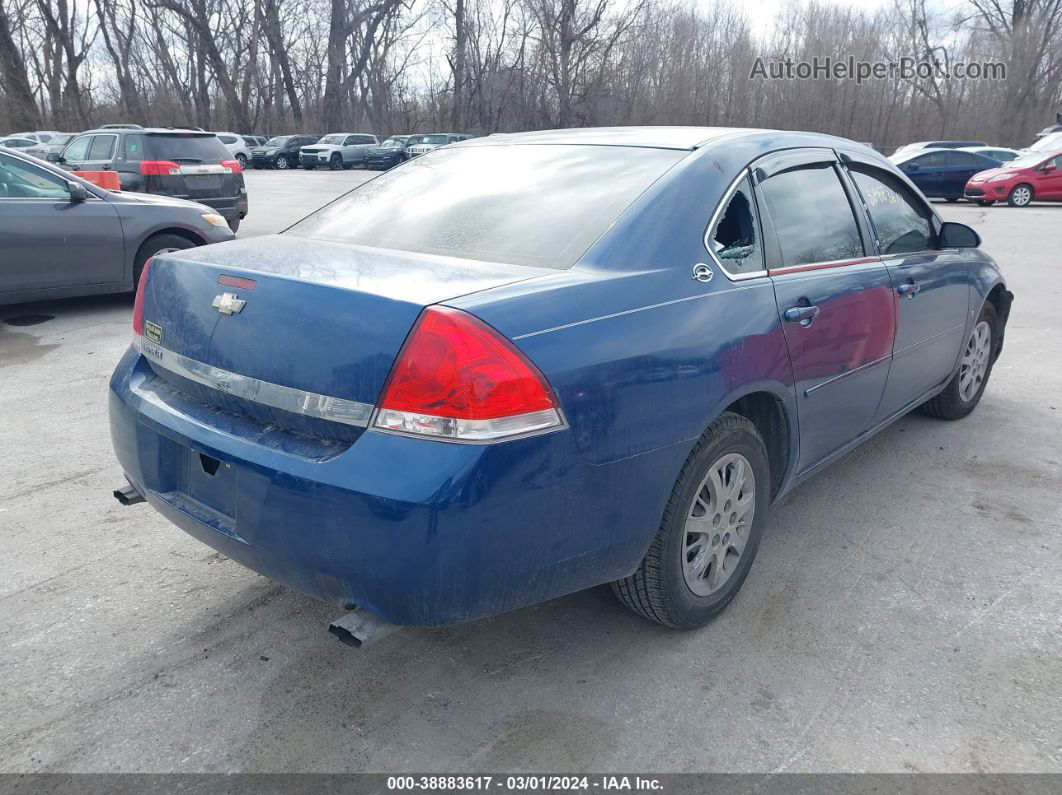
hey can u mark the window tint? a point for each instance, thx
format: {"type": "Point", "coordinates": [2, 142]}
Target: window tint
{"type": "Point", "coordinates": [133, 147]}
{"type": "Point", "coordinates": [77, 151]}
{"type": "Point", "coordinates": [901, 222]}
{"type": "Point", "coordinates": [965, 160]}
{"type": "Point", "coordinates": [932, 160]}
{"type": "Point", "coordinates": [227, 139]}
{"type": "Point", "coordinates": [182, 147]}
{"type": "Point", "coordinates": [811, 216]}
{"type": "Point", "coordinates": [102, 147]}
{"type": "Point", "coordinates": [735, 238]}
{"type": "Point", "coordinates": [20, 180]}
{"type": "Point", "coordinates": [462, 209]}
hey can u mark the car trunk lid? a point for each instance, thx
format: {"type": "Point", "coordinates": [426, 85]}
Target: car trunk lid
{"type": "Point", "coordinates": [320, 324]}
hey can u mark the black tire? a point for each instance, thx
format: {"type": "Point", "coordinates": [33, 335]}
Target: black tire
{"type": "Point", "coordinates": [242, 160]}
{"type": "Point", "coordinates": [234, 224]}
{"type": "Point", "coordinates": [282, 162]}
{"type": "Point", "coordinates": [1016, 197]}
{"type": "Point", "coordinates": [949, 404]}
{"type": "Point", "coordinates": [657, 590]}
{"type": "Point", "coordinates": [985, 202]}
{"type": "Point", "coordinates": [152, 246]}
{"type": "Point", "coordinates": [335, 162]}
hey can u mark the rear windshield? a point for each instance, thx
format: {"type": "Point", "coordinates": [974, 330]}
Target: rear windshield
{"type": "Point", "coordinates": [435, 139]}
{"type": "Point", "coordinates": [185, 148]}
{"type": "Point", "coordinates": [539, 205]}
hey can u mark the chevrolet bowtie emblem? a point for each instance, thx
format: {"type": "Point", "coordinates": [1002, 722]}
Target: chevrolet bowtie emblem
{"type": "Point", "coordinates": [228, 304]}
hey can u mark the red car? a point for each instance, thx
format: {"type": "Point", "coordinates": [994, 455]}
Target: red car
{"type": "Point", "coordinates": [1036, 175]}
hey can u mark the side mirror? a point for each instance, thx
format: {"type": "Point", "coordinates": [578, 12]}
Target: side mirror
{"type": "Point", "coordinates": [1047, 167]}
{"type": "Point", "coordinates": [53, 157]}
{"type": "Point", "coordinates": [955, 235]}
{"type": "Point", "coordinates": [77, 191]}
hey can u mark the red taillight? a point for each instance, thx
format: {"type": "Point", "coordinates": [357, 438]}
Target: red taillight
{"type": "Point", "coordinates": [456, 377]}
{"type": "Point", "coordinates": [231, 165]}
{"type": "Point", "coordinates": [138, 306]}
{"type": "Point", "coordinates": [159, 168]}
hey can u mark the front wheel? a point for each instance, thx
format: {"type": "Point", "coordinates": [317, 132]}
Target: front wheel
{"type": "Point", "coordinates": [335, 162]}
{"type": "Point", "coordinates": [964, 390]}
{"type": "Point", "coordinates": [282, 162]}
{"type": "Point", "coordinates": [1020, 195]}
{"type": "Point", "coordinates": [710, 531]}
{"type": "Point", "coordinates": [153, 247]}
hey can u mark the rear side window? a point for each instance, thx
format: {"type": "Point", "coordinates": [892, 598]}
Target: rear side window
{"type": "Point", "coordinates": [901, 222]}
{"type": "Point", "coordinates": [963, 160]}
{"type": "Point", "coordinates": [102, 147]}
{"type": "Point", "coordinates": [735, 238]}
{"type": "Point", "coordinates": [227, 139]}
{"type": "Point", "coordinates": [811, 215]}
{"type": "Point", "coordinates": [133, 148]}
{"type": "Point", "coordinates": [932, 160]}
{"type": "Point", "coordinates": [460, 208]}
{"type": "Point", "coordinates": [183, 147]}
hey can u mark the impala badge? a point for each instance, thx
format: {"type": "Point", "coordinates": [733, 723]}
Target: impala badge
{"type": "Point", "coordinates": [228, 304]}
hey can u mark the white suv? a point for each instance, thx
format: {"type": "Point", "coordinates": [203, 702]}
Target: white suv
{"type": "Point", "coordinates": [422, 144]}
{"type": "Point", "coordinates": [338, 150]}
{"type": "Point", "coordinates": [235, 144]}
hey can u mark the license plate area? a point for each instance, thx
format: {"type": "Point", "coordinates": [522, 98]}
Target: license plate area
{"type": "Point", "coordinates": [210, 482]}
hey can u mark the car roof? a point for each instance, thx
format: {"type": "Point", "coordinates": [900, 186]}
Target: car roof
{"type": "Point", "coordinates": [152, 131]}
{"type": "Point", "coordinates": [687, 138]}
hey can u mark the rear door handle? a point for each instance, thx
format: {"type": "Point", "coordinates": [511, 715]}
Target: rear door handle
{"type": "Point", "coordinates": [801, 314]}
{"type": "Point", "coordinates": [910, 289]}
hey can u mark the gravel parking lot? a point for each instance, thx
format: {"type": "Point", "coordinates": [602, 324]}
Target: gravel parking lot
{"type": "Point", "coordinates": [903, 614]}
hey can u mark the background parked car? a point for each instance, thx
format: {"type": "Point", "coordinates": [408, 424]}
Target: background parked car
{"type": "Point", "coordinates": [942, 173]}
{"type": "Point", "coordinates": [41, 144]}
{"type": "Point", "coordinates": [185, 164]}
{"type": "Point", "coordinates": [388, 154]}
{"type": "Point", "coordinates": [1047, 144]}
{"type": "Point", "coordinates": [254, 140]}
{"type": "Point", "coordinates": [236, 146]}
{"type": "Point", "coordinates": [281, 151]}
{"type": "Point", "coordinates": [26, 145]}
{"type": "Point", "coordinates": [938, 145]}
{"type": "Point", "coordinates": [433, 141]}
{"type": "Point", "coordinates": [1001, 153]}
{"type": "Point", "coordinates": [85, 240]}
{"type": "Point", "coordinates": [1030, 177]}
{"type": "Point", "coordinates": [338, 150]}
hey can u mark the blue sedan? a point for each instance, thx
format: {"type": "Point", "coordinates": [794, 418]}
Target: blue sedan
{"type": "Point", "coordinates": [943, 173]}
{"type": "Point", "coordinates": [529, 364]}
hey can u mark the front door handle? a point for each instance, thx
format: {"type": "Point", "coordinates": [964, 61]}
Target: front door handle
{"type": "Point", "coordinates": [801, 314]}
{"type": "Point", "coordinates": [910, 289]}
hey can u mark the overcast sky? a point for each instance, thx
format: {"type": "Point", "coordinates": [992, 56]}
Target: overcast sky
{"type": "Point", "coordinates": [763, 13]}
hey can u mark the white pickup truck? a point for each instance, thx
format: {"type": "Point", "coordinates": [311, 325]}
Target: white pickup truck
{"type": "Point", "coordinates": [338, 150]}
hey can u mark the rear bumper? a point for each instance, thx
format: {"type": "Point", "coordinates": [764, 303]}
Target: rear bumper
{"type": "Point", "coordinates": [229, 206]}
{"type": "Point", "coordinates": [418, 532]}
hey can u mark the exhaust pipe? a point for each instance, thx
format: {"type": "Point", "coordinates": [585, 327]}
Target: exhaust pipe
{"type": "Point", "coordinates": [359, 627]}
{"type": "Point", "coordinates": [128, 495]}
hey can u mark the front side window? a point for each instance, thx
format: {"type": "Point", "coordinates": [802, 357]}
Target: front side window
{"type": "Point", "coordinates": [334, 139]}
{"type": "Point", "coordinates": [102, 147]}
{"type": "Point", "coordinates": [811, 216]}
{"type": "Point", "coordinates": [554, 203]}
{"type": "Point", "coordinates": [77, 151]}
{"type": "Point", "coordinates": [735, 238]}
{"type": "Point", "coordinates": [19, 180]}
{"type": "Point", "coordinates": [901, 222]}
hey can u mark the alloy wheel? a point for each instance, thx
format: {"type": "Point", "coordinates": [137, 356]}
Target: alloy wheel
{"type": "Point", "coordinates": [975, 361]}
{"type": "Point", "coordinates": [718, 524]}
{"type": "Point", "coordinates": [1021, 196]}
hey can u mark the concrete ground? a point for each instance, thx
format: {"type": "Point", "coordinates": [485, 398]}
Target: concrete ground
{"type": "Point", "coordinates": [903, 615]}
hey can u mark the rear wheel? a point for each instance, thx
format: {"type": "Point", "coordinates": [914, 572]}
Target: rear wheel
{"type": "Point", "coordinates": [985, 202]}
{"type": "Point", "coordinates": [241, 158]}
{"type": "Point", "coordinates": [1020, 195]}
{"type": "Point", "coordinates": [335, 162]}
{"type": "Point", "coordinates": [963, 392]}
{"type": "Point", "coordinates": [282, 162]}
{"type": "Point", "coordinates": [234, 224]}
{"type": "Point", "coordinates": [710, 531]}
{"type": "Point", "coordinates": [155, 245]}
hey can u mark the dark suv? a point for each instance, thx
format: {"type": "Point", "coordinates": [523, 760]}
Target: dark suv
{"type": "Point", "coordinates": [281, 151]}
{"type": "Point", "coordinates": [185, 164]}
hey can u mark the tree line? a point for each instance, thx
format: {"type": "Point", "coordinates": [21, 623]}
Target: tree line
{"type": "Point", "coordinates": [399, 66]}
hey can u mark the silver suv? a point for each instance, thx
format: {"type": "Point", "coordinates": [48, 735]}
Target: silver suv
{"type": "Point", "coordinates": [338, 150]}
{"type": "Point", "coordinates": [422, 144]}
